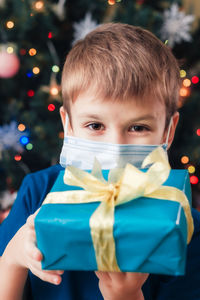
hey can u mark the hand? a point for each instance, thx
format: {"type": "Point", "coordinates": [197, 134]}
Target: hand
{"type": "Point", "coordinates": [22, 253]}
{"type": "Point", "coordinates": [120, 286]}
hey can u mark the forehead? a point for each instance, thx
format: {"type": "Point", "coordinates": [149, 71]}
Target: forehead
{"type": "Point", "coordinates": [88, 104]}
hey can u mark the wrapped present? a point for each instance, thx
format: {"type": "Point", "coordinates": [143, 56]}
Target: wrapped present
{"type": "Point", "coordinates": [127, 220]}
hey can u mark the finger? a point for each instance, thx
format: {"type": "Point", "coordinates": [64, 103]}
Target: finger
{"type": "Point", "coordinates": [117, 276]}
{"type": "Point", "coordinates": [140, 276]}
{"type": "Point", "coordinates": [30, 219]}
{"type": "Point", "coordinates": [102, 275]}
{"type": "Point", "coordinates": [37, 265]}
{"type": "Point", "coordinates": [32, 251]}
{"type": "Point", "coordinates": [47, 276]}
{"type": "Point", "coordinates": [30, 222]}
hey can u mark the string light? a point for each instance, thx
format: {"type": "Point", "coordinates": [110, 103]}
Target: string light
{"type": "Point", "coordinates": [29, 146]}
{"type": "Point", "coordinates": [191, 169]}
{"type": "Point", "coordinates": [17, 157]}
{"type": "Point", "coordinates": [39, 5]}
{"type": "Point", "coordinates": [32, 52]}
{"type": "Point", "coordinates": [194, 179]}
{"type": "Point", "coordinates": [184, 159]}
{"type": "Point", "coordinates": [55, 69]}
{"type": "Point", "coordinates": [50, 35]}
{"type": "Point", "coordinates": [111, 2]}
{"type": "Point", "coordinates": [54, 91]}
{"type": "Point", "coordinates": [183, 73]}
{"type": "Point", "coordinates": [198, 131]}
{"type": "Point", "coordinates": [30, 93]}
{"type": "Point", "coordinates": [29, 74]}
{"type": "Point", "coordinates": [195, 79]}
{"type": "Point", "coordinates": [10, 24]}
{"type": "Point", "coordinates": [10, 50]}
{"type": "Point", "coordinates": [187, 82]}
{"type": "Point", "coordinates": [24, 140]}
{"type": "Point", "coordinates": [51, 107]}
{"type": "Point", "coordinates": [36, 70]}
{"type": "Point", "coordinates": [21, 127]}
{"type": "Point", "coordinates": [61, 135]}
{"type": "Point", "coordinates": [22, 51]}
{"type": "Point", "coordinates": [184, 92]}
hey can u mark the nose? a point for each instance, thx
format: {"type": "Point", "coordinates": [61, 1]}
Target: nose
{"type": "Point", "coordinates": [117, 137]}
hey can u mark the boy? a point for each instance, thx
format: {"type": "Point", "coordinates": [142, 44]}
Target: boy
{"type": "Point", "coordinates": [120, 85]}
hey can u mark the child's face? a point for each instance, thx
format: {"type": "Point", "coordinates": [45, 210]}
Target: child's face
{"type": "Point", "coordinates": [117, 122]}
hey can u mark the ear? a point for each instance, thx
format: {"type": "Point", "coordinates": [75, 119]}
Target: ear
{"type": "Point", "coordinates": [63, 114]}
{"type": "Point", "coordinates": [175, 119]}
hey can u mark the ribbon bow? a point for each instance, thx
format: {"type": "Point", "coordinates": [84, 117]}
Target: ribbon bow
{"type": "Point", "coordinates": [123, 185]}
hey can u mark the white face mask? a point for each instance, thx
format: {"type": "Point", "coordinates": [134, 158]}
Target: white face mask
{"type": "Point", "coordinates": [82, 152]}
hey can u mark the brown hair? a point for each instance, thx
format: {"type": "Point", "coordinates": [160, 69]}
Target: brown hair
{"type": "Point", "coordinates": [119, 61]}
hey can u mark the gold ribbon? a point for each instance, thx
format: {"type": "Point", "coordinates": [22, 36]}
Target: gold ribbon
{"type": "Point", "coordinates": [123, 185]}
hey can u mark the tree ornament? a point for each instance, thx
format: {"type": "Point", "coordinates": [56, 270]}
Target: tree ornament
{"type": "Point", "coordinates": [82, 28]}
{"type": "Point", "coordinates": [9, 64]}
{"type": "Point", "coordinates": [176, 26]}
{"type": "Point", "coordinates": [59, 10]}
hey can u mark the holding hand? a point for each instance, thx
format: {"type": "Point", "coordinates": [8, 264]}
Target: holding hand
{"type": "Point", "coordinates": [118, 286]}
{"type": "Point", "coordinates": [21, 253]}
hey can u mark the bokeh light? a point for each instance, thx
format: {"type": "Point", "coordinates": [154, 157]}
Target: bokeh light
{"type": "Point", "coordinates": [195, 79]}
{"type": "Point", "coordinates": [10, 50]}
{"type": "Point", "coordinates": [184, 159]}
{"type": "Point", "coordinates": [187, 82]}
{"type": "Point", "coordinates": [54, 91]}
{"type": "Point", "coordinates": [30, 93]}
{"type": "Point", "coordinates": [17, 157]}
{"type": "Point", "coordinates": [29, 146]}
{"type": "Point", "coordinates": [21, 127]}
{"type": "Point", "coordinates": [55, 69]}
{"type": "Point", "coordinates": [32, 52]}
{"type": "Point", "coordinates": [39, 5]}
{"type": "Point", "coordinates": [36, 70]}
{"type": "Point", "coordinates": [194, 179]}
{"type": "Point", "coordinates": [184, 92]}
{"type": "Point", "coordinates": [191, 169]}
{"type": "Point", "coordinates": [183, 73]}
{"type": "Point", "coordinates": [51, 107]}
{"type": "Point", "coordinates": [10, 24]}
{"type": "Point", "coordinates": [24, 140]}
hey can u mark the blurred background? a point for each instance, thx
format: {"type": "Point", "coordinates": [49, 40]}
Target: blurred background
{"type": "Point", "coordinates": [35, 37]}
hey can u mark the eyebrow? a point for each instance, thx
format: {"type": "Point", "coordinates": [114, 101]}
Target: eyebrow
{"type": "Point", "coordinates": [90, 116]}
{"type": "Point", "coordinates": [98, 117]}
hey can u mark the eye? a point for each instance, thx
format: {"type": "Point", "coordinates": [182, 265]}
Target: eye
{"type": "Point", "coordinates": [95, 126]}
{"type": "Point", "coordinates": [138, 128]}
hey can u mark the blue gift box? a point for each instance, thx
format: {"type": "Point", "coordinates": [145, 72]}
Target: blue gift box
{"type": "Point", "coordinates": [150, 234]}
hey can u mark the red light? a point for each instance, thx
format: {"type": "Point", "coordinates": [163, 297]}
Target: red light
{"type": "Point", "coordinates": [17, 157]}
{"type": "Point", "coordinates": [50, 35]}
{"type": "Point", "coordinates": [195, 79]}
{"type": "Point", "coordinates": [30, 93]}
{"type": "Point", "coordinates": [194, 179]}
{"type": "Point", "coordinates": [22, 51]}
{"type": "Point", "coordinates": [198, 132]}
{"type": "Point", "coordinates": [51, 107]}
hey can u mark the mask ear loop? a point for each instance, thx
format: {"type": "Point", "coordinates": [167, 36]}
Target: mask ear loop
{"type": "Point", "coordinates": [66, 124]}
{"type": "Point", "coordinates": [169, 129]}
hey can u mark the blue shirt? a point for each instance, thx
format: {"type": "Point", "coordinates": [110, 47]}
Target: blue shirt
{"type": "Point", "coordinates": [82, 285]}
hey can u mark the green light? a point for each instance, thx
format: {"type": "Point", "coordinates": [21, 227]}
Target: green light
{"type": "Point", "coordinates": [55, 69]}
{"type": "Point", "coordinates": [29, 146]}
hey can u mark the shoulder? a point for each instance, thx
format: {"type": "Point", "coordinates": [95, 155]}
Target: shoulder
{"type": "Point", "coordinates": [38, 184]}
{"type": "Point", "coordinates": [30, 196]}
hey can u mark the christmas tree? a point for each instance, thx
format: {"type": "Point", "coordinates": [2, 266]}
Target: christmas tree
{"type": "Point", "coordinates": [35, 37]}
